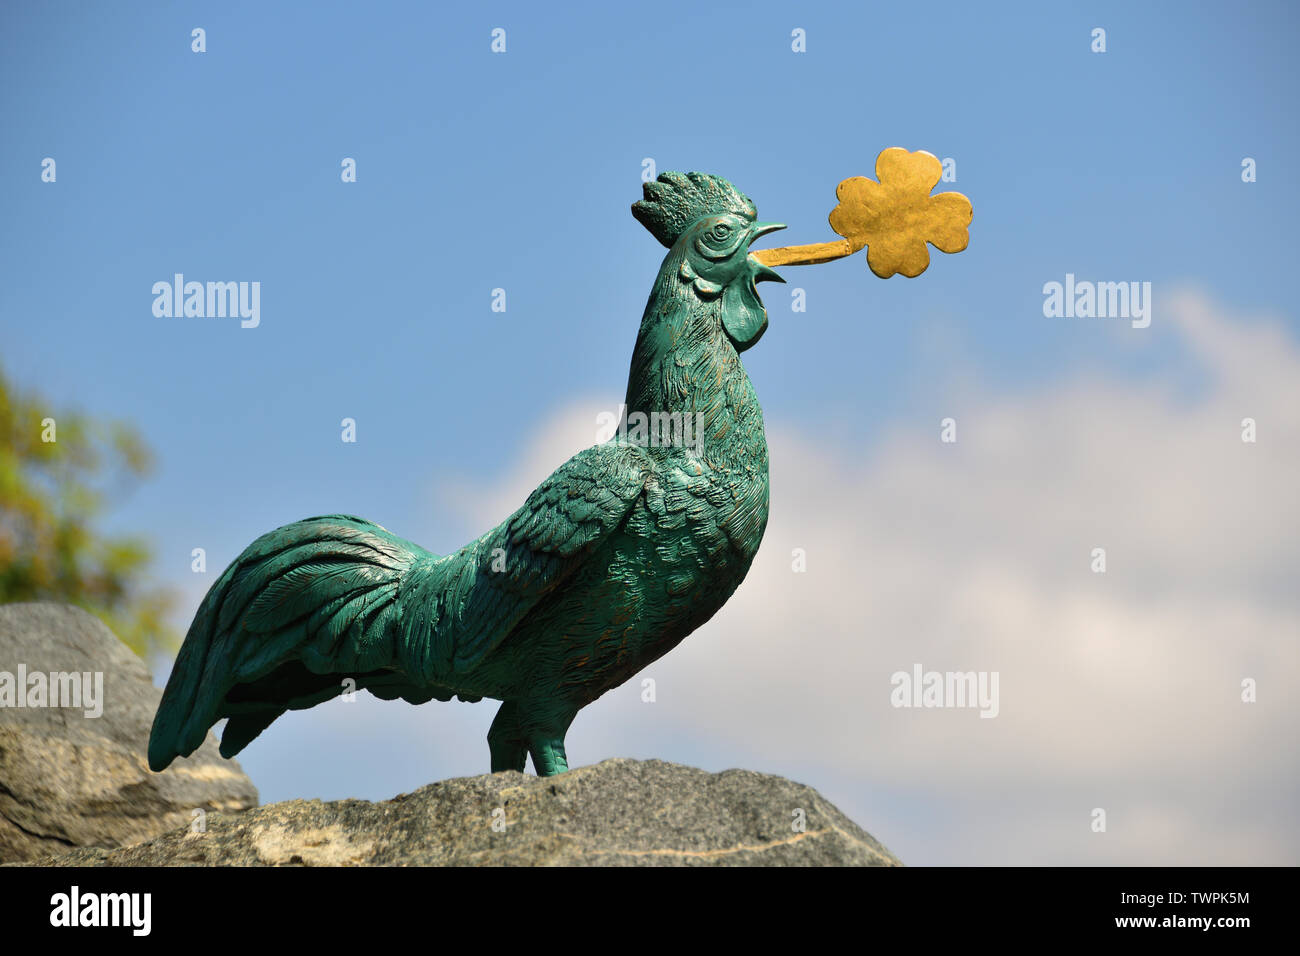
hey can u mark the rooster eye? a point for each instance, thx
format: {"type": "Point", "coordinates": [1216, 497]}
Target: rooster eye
{"type": "Point", "coordinates": [718, 241]}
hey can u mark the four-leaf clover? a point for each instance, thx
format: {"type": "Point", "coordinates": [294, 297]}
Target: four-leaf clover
{"type": "Point", "coordinates": [895, 217]}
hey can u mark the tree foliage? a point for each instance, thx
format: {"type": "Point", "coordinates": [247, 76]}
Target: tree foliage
{"type": "Point", "coordinates": [59, 473]}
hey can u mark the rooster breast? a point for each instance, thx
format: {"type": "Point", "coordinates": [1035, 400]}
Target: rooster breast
{"type": "Point", "coordinates": [683, 550]}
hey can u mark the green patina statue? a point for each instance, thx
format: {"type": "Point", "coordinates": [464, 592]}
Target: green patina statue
{"type": "Point", "coordinates": [615, 558]}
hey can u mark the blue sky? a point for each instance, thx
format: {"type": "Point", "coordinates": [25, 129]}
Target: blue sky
{"type": "Point", "coordinates": [478, 170]}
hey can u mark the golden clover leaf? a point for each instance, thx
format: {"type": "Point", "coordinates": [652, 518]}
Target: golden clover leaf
{"type": "Point", "coordinates": [895, 217]}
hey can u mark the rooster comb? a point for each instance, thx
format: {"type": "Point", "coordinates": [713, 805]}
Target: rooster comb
{"type": "Point", "coordinates": [675, 200]}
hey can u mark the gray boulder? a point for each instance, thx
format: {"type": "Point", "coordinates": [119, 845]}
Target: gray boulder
{"type": "Point", "coordinates": [619, 812]}
{"type": "Point", "coordinates": [69, 779]}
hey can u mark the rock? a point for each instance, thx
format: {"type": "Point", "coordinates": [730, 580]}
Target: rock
{"type": "Point", "coordinates": [619, 812]}
{"type": "Point", "coordinates": [72, 780]}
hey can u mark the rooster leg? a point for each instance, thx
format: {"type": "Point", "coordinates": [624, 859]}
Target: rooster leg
{"type": "Point", "coordinates": [545, 735]}
{"type": "Point", "coordinates": [505, 740]}
{"type": "Point", "coordinates": [548, 755]}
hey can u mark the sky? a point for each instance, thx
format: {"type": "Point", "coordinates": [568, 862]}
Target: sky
{"type": "Point", "coordinates": [479, 170]}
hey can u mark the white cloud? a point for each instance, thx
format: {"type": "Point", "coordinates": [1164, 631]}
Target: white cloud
{"type": "Point", "coordinates": [1118, 690]}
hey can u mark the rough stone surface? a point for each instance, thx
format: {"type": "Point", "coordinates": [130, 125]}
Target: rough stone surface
{"type": "Point", "coordinates": [619, 812]}
{"type": "Point", "coordinates": [68, 780]}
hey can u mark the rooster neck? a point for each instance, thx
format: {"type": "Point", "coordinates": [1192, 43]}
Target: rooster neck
{"type": "Point", "coordinates": [684, 364]}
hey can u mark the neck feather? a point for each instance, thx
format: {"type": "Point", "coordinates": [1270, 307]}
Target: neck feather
{"type": "Point", "coordinates": [684, 364]}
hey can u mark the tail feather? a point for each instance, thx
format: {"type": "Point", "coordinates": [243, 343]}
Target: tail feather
{"type": "Point", "coordinates": [300, 606]}
{"type": "Point", "coordinates": [242, 729]}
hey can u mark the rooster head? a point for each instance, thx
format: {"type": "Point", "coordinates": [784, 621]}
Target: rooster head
{"type": "Point", "coordinates": [708, 225]}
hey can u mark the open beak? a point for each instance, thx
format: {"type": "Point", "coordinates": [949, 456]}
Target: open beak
{"type": "Point", "coordinates": [762, 273]}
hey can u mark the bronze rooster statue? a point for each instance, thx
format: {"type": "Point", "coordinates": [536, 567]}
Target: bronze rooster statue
{"type": "Point", "coordinates": [626, 549]}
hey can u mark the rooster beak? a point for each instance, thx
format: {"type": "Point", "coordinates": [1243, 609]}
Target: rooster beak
{"type": "Point", "coordinates": [762, 273]}
{"type": "Point", "coordinates": [763, 228]}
